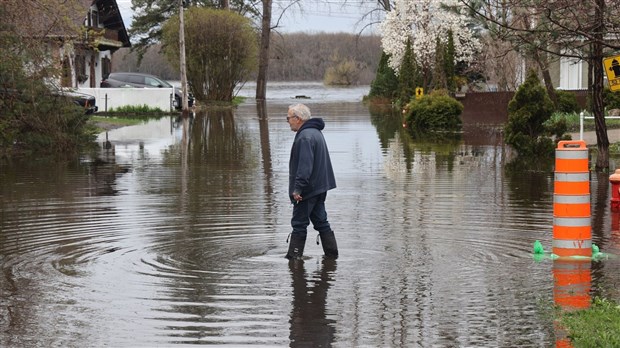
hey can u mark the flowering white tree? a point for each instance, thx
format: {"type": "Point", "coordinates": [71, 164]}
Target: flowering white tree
{"type": "Point", "coordinates": [426, 23]}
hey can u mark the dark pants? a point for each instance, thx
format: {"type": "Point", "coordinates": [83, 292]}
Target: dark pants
{"type": "Point", "coordinates": [311, 209]}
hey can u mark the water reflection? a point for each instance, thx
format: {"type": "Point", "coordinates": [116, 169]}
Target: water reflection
{"type": "Point", "coordinates": [216, 138]}
{"type": "Point", "coordinates": [572, 282]}
{"type": "Point", "coordinates": [600, 206]}
{"type": "Point", "coordinates": [175, 235]}
{"type": "Point", "coordinates": [265, 147]}
{"type": "Point", "coordinates": [444, 148]}
{"type": "Point", "coordinates": [310, 325]}
{"type": "Point", "coordinates": [528, 187]}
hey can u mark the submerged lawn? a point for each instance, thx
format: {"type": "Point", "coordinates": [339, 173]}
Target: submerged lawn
{"type": "Point", "coordinates": [102, 123]}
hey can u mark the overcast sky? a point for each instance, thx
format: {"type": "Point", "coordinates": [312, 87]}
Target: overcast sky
{"type": "Point", "coordinates": [314, 16]}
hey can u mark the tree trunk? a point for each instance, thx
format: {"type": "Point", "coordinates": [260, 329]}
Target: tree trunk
{"type": "Point", "coordinates": [263, 60]}
{"type": "Point", "coordinates": [602, 141]}
{"type": "Point", "coordinates": [590, 80]}
{"type": "Point", "coordinates": [184, 102]}
{"type": "Point", "coordinates": [541, 60]}
{"type": "Point", "coordinates": [225, 4]}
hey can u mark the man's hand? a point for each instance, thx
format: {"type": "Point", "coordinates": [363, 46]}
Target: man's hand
{"type": "Point", "coordinates": [297, 197]}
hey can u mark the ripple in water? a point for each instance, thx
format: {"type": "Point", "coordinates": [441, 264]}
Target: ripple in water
{"type": "Point", "coordinates": [180, 241]}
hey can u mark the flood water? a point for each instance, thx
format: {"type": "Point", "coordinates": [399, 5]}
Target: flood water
{"type": "Point", "coordinates": [176, 235]}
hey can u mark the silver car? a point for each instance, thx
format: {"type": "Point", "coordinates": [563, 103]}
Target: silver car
{"type": "Point", "coordinates": [140, 80]}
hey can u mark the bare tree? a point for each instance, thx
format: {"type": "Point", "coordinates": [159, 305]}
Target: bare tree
{"type": "Point", "coordinates": [265, 43]}
{"type": "Point", "coordinates": [182, 63]}
{"type": "Point", "coordinates": [263, 56]}
{"type": "Point", "coordinates": [562, 28]}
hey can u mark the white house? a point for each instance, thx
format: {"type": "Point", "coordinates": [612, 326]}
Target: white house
{"type": "Point", "coordinates": [569, 73]}
{"type": "Point", "coordinates": [77, 36]}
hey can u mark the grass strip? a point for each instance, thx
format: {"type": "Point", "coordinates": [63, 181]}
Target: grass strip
{"type": "Point", "coordinates": [597, 326]}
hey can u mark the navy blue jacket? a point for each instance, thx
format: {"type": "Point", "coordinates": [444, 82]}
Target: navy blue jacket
{"type": "Point", "coordinates": [310, 168]}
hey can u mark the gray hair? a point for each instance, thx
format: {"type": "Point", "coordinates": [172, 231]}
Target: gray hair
{"type": "Point", "coordinates": [301, 111]}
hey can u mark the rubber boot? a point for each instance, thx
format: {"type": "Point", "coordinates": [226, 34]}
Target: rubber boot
{"type": "Point", "coordinates": [296, 246]}
{"type": "Point", "coordinates": [328, 240]}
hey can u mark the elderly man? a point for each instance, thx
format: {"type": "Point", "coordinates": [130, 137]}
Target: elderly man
{"type": "Point", "coordinates": [310, 177]}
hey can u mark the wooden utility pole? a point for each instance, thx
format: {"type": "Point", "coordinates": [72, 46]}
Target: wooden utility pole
{"type": "Point", "coordinates": [185, 105]}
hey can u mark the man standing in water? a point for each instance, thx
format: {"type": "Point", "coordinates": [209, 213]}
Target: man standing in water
{"type": "Point", "coordinates": [310, 176]}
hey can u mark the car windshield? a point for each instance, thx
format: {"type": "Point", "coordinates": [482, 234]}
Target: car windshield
{"type": "Point", "coordinates": [151, 81]}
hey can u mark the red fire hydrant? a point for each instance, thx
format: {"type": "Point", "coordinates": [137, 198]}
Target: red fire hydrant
{"type": "Point", "coordinates": [614, 179]}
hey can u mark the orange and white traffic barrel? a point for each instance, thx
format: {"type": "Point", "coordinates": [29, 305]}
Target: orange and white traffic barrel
{"type": "Point", "coordinates": [572, 231]}
{"type": "Point", "coordinates": [571, 156]}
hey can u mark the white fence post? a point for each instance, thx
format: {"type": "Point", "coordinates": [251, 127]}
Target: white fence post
{"type": "Point", "coordinates": [581, 115]}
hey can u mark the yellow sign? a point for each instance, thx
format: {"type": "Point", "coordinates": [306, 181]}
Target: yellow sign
{"type": "Point", "coordinates": [419, 92]}
{"type": "Point", "coordinates": [612, 69]}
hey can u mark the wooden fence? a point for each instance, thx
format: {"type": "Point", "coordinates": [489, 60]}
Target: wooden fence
{"type": "Point", "coordinates": [492, 107]}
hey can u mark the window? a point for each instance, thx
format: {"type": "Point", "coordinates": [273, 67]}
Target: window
{"type": "Point", "coordinates": [93, 19]}
{"type": "Point", "coordinates": [80, 68]}
{"type": "Point", "coordinates": [153, 82]}
{"type": "Point", "coordinates": [80, 64]}
{"type": "Point", "coordinates": [65, 80]}
{"type": "Point", "coordinates": [135, 79]}
{"type": "Point", "coordinates": [106, 67]}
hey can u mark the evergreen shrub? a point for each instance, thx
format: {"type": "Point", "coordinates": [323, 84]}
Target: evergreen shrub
{"type": "Point", "coordinates": [35, 120]}
{"type": "Point", "coordinates": [528, 111]}
{"type": "Point", "coordinates": [567, 102]}
{"type": "Point", "coordinates": [434, 112]}
{"type": "Point", "coordinates": [611, 100]}
{"type": "Point", "coordinates": [385, 84]}
{"type": "Point", "coordinates": [34, 116]}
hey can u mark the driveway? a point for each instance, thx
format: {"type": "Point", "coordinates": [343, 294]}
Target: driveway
{"type": "Point", "coordinates": [590, 137]}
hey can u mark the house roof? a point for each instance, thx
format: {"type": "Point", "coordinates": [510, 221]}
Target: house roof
{"type": "Point", "coordinates": [111, 18]}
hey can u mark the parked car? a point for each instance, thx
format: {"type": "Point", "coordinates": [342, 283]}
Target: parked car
{"type": "Point", "coordinates": [86, 101]}
{"type": "Point", "coordinates": [130, 79]}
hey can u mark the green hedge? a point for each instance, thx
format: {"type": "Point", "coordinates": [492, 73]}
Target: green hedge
{"type": "Point", "coordinates": [434, 112]}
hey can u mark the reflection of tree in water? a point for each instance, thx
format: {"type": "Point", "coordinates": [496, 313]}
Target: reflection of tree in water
{"type": "Point", "coordinates": [442, 147]}
{"type": "Point", "coordinates": [265, 147]}
{"type": "Point", "coordinates": [529, 183]}
{"type": "Point", "coordinates": [215, 138]}
{"type": "Point", "coordinates": [393, 138]}
{"type": "Point", "coordinates": [599, 197]}
{"type": "Point", "coordinates": [219, 161]}
{"type": "Point", "coordinates": [214, 152]}
{"type": "Point", "coordinates": [216, 165]}
{"type": "Point", "coordinates": [387, 121]}
{"type": "Point", "coordinates": [404, 154]}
